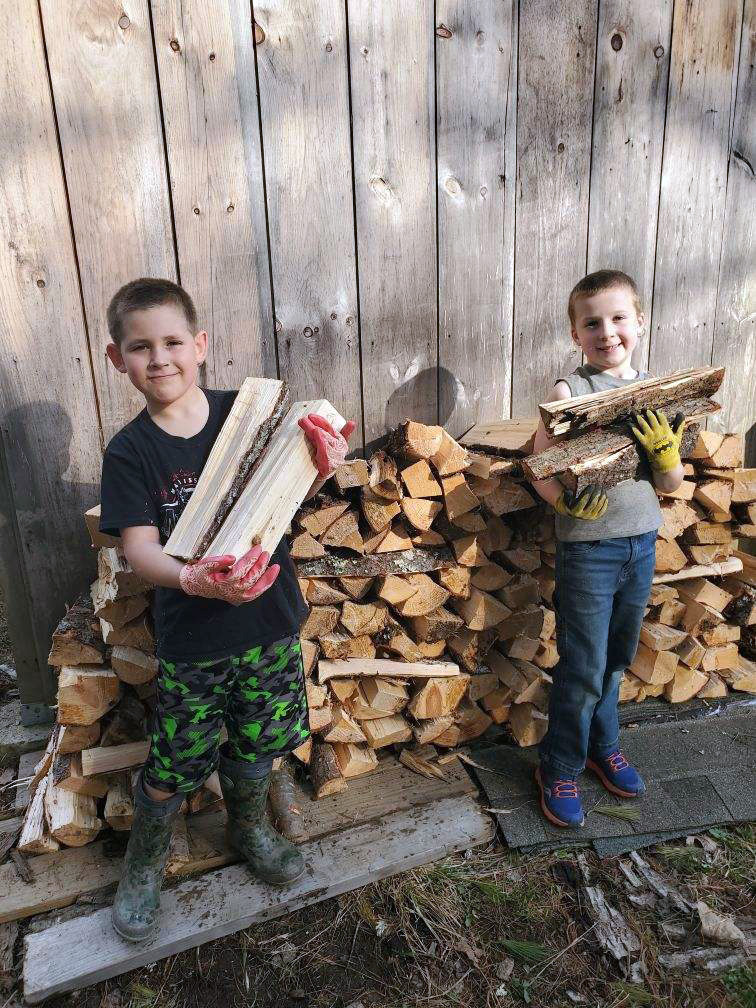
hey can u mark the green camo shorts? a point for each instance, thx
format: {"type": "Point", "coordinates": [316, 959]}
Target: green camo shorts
{"type": "Point", "coordinates": [259, 696]}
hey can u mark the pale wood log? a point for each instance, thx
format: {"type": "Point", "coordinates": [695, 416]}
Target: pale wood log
{"type": "Point", "coordinates": [136, 633]}
{"type": "Point", "coordinates": [336, 645]}
{"type": "Point", "coordinates": [429, 538]}
{"type": "Point", "coordinates": [549, 623]}
{"type": "Point", "coordinates": [471, 647]}
{"type": "Point", "coordinates": [428, 597]}
{"type": "Point", "coordinates": [305, 547]}
{"type": "Point", "coordinates": [491, 577]}
{"type": "Point", "coordinates": [34, 837]}
{"type": "Point", "coordinates": [480, 611]}
{"type": "Point", "coordinates": [385, 695]}
{"type": "Point", "coordinates": [481, 486]}
{"type": "Point", "coordinates": [450, 458]}
{"type": "Point", "coordinates": [707, 532]}
{"type": "Point", "coordinates": [471, 521]}
{"type": "Point", "coordinates": [85, 694]}
{"type": "Point", "coordinates": [714, 689]}
{"type": "Point", "coordinates": [351, 475]}
{"type": "Point", "coordinates": [319, 591]}
{"type": "Point", "coordinates": [119, 805]}
{"type": "Point", "coordinates": [317, 519]}
{"type": "Point", "coordinates": [527, 724]}
{"type": "Point", "coordinates": [714, 495]}
{"type": "Point", "coordinates": [720, 451]}
{"type": "Point", "coordinates": [508, 497]}
{"type": "Point", "coordinates": [654, 666]}
{"type": "Point", "coordinates": [325, 771]}
{"type": "Point", "coordinates": [722, 634]}
{"type": "Point", "coordinates": [67, 773]}
{"type": "Point", "coordinates": [74, 738]}
{"type": "Point", "coordinates": [733, 565]}
{"type": "Point", "coordinates": [547, 656]}
{"type": "Point", "coordinates": [133, 666]}
{"type": "Point", "coordinates": [685, 685]}
{"type": "Point", "coordinates": [744, 486]}
{"type": "Point", "coordinates": [322, 620]}
{"type": "Point", "coordinates": [356, 587]}
{"type": "Point", "coordinates": [359, 707]}
{"type": "Point", "coordinates": [719, 656]}
{"type": "Point", "coordinates": [384, 477]}
{"type": "Point", "coordinates": [523, 592]}
{"type": "Point", "coordinates": [676, 517]}
{"type": "Point", "coordinates": [319, 718]}
{"type": "Point", "coordinates": [498, 703]}
{"type": "Point", "coordinates": [110, 607]}
{"type": "Point", "coordinates": [458, 497]}
{"type": "Point", "coordinates": [699, 617]}
{"type": "Point", "coordinates": [431, 649]}
{"type": "Point", "coordinates": [529, 621]}
{"type": "Point", "coordinates": [396, 540]}
{"type": "Point", "coordinates": [316, 695]}
{"type": "Point", "coordinates": [690, 651]}
{"type": "Point", "coordinates": [366, 618]}
{"type": "Point", "coordinates": [711, 553]}
{"type": "Point", "coordinates": [422, 761]}
{"type": "Point", "coordinates": [469, 722]}
{"type": "Point", "coordinates": [479, 464]}
{"type": "Point", "coordinates": [469, 551]}
{"type": "Point", "coordinates": [456, 580]}
{"type": "Point", "coordinates": [685, 491]}
{"type": "Point", "coordinates": [481, 685]}
{"type": "Point", "coordinates": [310, 653]}
{"type": "Point", "coordinates": [386, 668]}
{"type": "Point", "coordinates": [266, 505]}
{"type": "Point", "coordinates": [420, 512]}
{"type": "Point", "coordinates": [415, 440]}
{"type": "Point", "coordinates": [72, 818]}
{"type": "Point", "coordinates": [112, 566]}
{"type": "Point", "coordinates": [303, 752]}
{"type": "Point", "coordinates": [386, 731]}
{"type": "Point", "coordinates": [354, 760]}
{"type": "Point", "coordinates": [77, 639]}
{"type": "Point", "coordinates": [343, 727]}
{"type": "Point", "coordinates": [438, 697]}
{"type": "Point", "coordinates": [502, 436]}
{"type": "Point", "coordinates": [629, 687]}
{"type": "Point", "coordinates": [395, 589]}
{"type": "Point", "coordinates": [343, 689]}
{"type": "Point", "coordinates": [435, 626]}
{"type": "Point", "coordinates": [106, 759]}
{"type": "Point", "coordinates": [669, 557]}
{"type": "Point", "coordinates": [702, 590]}
{"type": "Point", "coordinates": [420, 481]}
{"type": "Point", "coordinates": [742, 677]}
{"type": "Point", "coordinates": [429, 731]}
{"type": "Point", "coordinates": [394, 640]}
{"type": "Point", "coordinates": [658, 637]}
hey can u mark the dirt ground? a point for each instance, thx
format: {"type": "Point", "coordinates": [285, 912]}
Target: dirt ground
{"type": "Point", "coordinates": [487, 928]}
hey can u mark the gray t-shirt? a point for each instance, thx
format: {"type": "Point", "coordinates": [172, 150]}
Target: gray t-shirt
{"type": "Point", "coordinates": [633, 504]}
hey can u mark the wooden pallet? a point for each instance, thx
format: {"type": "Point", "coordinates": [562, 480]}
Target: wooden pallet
{"type": "Point", "coordinates": [61, 878]}
{"type": "Point", "coordinates": [225, 901]}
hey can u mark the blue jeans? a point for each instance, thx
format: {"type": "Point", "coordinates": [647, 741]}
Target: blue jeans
{"type": "Point", "coordinates": [602, 589]}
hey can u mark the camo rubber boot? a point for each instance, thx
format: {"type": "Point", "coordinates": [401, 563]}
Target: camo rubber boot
{"type": "Point", "coordinates": [137, 901]}
{"type": "Point", "coordinates": [245, 790]}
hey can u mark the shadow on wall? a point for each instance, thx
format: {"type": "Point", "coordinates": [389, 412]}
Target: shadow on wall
{"type": "Point", "coordinates": [429, 397]}
{"type": "Point", "coordinates": [44, 547]}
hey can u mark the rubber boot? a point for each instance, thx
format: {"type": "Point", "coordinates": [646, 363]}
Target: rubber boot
{"type": "Point", "coordinates": [137, 901]}
{"type": "Point", "coordinates": [245, 790]}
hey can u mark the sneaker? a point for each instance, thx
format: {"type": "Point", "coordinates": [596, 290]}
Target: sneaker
{"type": "Point", "coordinates": [616, 774]}
{"type": "Point", "coordinates": [560, 800]}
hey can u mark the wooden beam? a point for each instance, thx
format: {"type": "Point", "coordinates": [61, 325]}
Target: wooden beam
{"type": "Point", "coordinates": [706, 570]}
{"type": "Point", "coordinates": [386, 668]}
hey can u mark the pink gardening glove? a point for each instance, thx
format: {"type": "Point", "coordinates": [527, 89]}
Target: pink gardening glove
{"type": "Point", "coordinates": [329, 446]}
{"type": "Point", "coordinates": [224, 577]}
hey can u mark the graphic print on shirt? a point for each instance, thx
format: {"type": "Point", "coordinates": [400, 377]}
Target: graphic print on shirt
{"type": "Point", "coordinates": [174, 499]}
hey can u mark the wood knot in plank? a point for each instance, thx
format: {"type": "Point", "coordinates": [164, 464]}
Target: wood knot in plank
{"type": "Point", "coordinates": [443, 31]}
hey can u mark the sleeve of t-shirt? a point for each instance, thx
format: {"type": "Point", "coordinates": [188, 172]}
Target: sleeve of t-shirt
{"type": "Point", "coordinates": [125, 500]}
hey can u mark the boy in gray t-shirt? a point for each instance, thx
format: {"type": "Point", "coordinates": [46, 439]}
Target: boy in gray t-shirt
{"type": "Point", "coordinates": [606, 548]}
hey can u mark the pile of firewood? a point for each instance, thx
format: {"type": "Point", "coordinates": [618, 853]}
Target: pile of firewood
{"type": "Point", "coordinates": [429, 573]}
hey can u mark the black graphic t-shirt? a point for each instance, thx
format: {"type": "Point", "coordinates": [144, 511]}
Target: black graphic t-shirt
{"type": "Point", "coordinates": [148, 476]}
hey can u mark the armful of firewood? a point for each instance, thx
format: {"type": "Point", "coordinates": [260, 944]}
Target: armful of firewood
{"type": "Point", "coordinates": [549, 489]}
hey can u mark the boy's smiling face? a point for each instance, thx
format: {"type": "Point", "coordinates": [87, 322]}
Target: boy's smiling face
{"type": "Point", "coordinates": [159, 353]}
{"type": "Point", "coordinates": [607, 328]}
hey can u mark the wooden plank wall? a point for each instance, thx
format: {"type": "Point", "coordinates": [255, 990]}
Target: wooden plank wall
{"type": "Point", "coordinates": [386, 204]}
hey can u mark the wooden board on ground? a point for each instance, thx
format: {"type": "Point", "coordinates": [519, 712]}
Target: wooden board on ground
{"type": "Point", "coordinates": [256, 412]}
{"type": "Point", "coordinates": [226, 901]}
{"type": "Point", "coordinates": [61, 878]}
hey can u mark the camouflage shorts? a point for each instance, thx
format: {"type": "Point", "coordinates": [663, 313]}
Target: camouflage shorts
{"type": "Point", "coordinates": [258, 695]}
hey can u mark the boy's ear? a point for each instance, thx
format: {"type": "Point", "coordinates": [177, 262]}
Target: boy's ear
{"type": "Point", "coordinates": [200, 346]}
{"type": "Point", "coordinates": [116, 359]}
{"type": "Point", "coordinates": [641, 322]}
{"type": "Point", "coordinates": [575, 339]}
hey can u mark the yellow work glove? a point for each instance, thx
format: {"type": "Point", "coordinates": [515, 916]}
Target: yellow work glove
{"type": "Point", "coordinates": [659, 439]}
{"type": "Point", "coordinates": [588, 505]}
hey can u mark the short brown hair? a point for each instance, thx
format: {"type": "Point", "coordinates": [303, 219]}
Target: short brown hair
{"type": "Point", "coordinates": [599, 281]}
{"type": "Point", "coordinates": [147, 292]}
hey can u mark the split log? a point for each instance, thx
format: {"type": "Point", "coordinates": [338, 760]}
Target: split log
{"type": "Point", "coordinates": [658, 637]}
{"type": "Point", "coordinates": [72, 818]}
{"type": "Point", "coordinates": [356, 587]}
{"type": "Point", "coordinates": [438, 697]}
{"type": "Point", "coordinates": [481, 685]}
{"type": "Point", "coordinates": [469, 722]}
{"type": "Point", "coordinates": [74, 738]}
{"type": "Point", "coordinates": [256, 414]}
{"type": "Point", "coordinates": [343, 728]}
{"type": "Point", "coordinates": [354, 760]}
{"type": "Point", "coordinates": [385, 695]}
{"type": "Point", "coordinates": [721, 656]}
{"type": "Point", "coordinates": [420, 512]}
{"type": "Point", "coordinates": [306, 547]}
{"type": "Point", "coordinates": [529, 621]}
{"type": "Point", "coordinates": [502, 437]}
{"type": "Point", "coordinates": [707, 532]}
{"type": "Point", "coordinates": [527, 724]}
{"type": "Point", "coordinates": [714, 495]}
{"type": "Point", "coordinates": [351, 475]}
{"type": "Point", "coordinates": [408, 562]}
{"type": "Point", "coordinates": [435, 626]}
{"type": "Point", "coordinates": [654, 666]}
{"type": "Point", "coordinates": [479, 464]}
{"type": "Point", "coordinates": [742, 677]}
{"type": "Point", "coordinates": [317, 696]}
{"type": "Point", "coordinates": [458, 497]}
{"type": "Point", "coordinates": [106, 759]}
{"type": "Point", "coordinates": [85, 694]}
{"type": "Point", "coordinates": [428, 597]}
{"type": "Point", "coordinates": [714, 689]}
{"type": "Point", "coordinates": [499, 704]}
{"type": "Point", "coordinates": [491, 577]}
{"type": "Point", "coordinates": [99, 539]}
{"type": "Point", "coordinates": [386, 731]}
{"type": "Point", "coordinates": [422, 761]}
{"type": "Point", "coordinates": [720, 451]}
{"type": "Point", "coordinates": [135, 633]}
{"type": "Point", "coordinates": [702, 590]}
{"type": "Point", "coordinates": [498, 535]}
{"type": "Point", "coordinates": [699, 617]}
{"type": "Point", "coordinates": [431, 649]}
{"type": "Point", "coordinates": [480, 611]}
{"type": "Point", "coordinates": [420, 481]}
{"type": "Point", "coordinates": [684, 492]}
{"type": "Point", "coordinates": [469, 551]}
{"type": "Point", "coordinates": [119, 805]}
{"type": "Point", "coordinates": [303, 752]}
{"type": "Point", "coordinates": [394, 640]}
{"type": "Point", "coordinates": [429, 731]}
{"type": "Point", "coordinates": [310, 652]}
{"type": "Point", "coordinates": [521, 647]}
{"type": "Point", "coordinates": [689, 651]}
{"type": "Point", "coordinates": [629, 687]}
{"type": "Point", "coordinates": [524, 560]}
{"type": "Point", "coordinates": [416, 440]}
{"type": "Point", "coordinates": [109, 606]}
{"type": "Point", "coordinates": [395, 540]}
{"type": "Point", "coordinates": [113, 567]}
{"type": "Point", "coordinates": [471, 521]}
{"type": "Point", "coordinates": [325, 771]}
{"type": "Point", "coordinates": [337, 645]}
{"type": "Point", "coordinates": [429, 538]}
{"type": "Point", "coordinates": [344, 533]}
{"type": "Point", "coordinates": [450, 458]}
{"type": "Point", "coordinates": [384, 478]}
{"type": "Point", "coordinates": [709, 570]}
{"type": "Point", "coordinates": [676, 517]}
{"type": "Point", "coordinates": [722, 634]}
{"type": "Point", "coordinates": [322, 620]}
{"type": "Point", "coordinates": [317, 518]}
{"type": "Point", "coordinates": [744, 486]}
{"type": "Point", "coordinates": [34, 837]}
{"type": "Point", "coordinates": [711, 553]}
{"type": "Point", "coordinates": [366, 618]}
{"type": "Point", "coordinates": [509, 497]}
{"type": "Point", "coordinates": [77, 639]}
{"type": "Point", "coordinates": [457, 580]}
{"type": "Point", "coordinates": [343, 689]}
{"type": "Point", "coordinates": [559, 456]}
{"type": "Point", "coordinates": [132, 666]}
{"type": "Point", "coordinates": [669, 557]}
{"type": "Point", "coordinates": [66, 773]}
{"type": "Point", "coordinates": [523, 592]}
{"type": "Point", "coordinates": [617, 405]}
{"type": "Point", "coordinates": [319, 718]}
{"type": "Point", "coordinates": [471, 648]}
{"type": "Point", "coordinates": [396, 589]}
{"type": "Point", "coordinates": [685, 685]}
{"type": "Point", "coordinates": [321, 592]}
{"type": "Point", "coordinates": [547, 656]}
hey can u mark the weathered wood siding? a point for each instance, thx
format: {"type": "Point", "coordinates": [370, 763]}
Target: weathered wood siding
{"type": "Point", "coordinates": [386, 204]}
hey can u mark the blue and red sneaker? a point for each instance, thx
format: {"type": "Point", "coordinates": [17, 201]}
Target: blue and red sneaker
{"type": "Point", "coordinates": [616, 774]}
{"type": "Point", "coordinates": [560, 800]}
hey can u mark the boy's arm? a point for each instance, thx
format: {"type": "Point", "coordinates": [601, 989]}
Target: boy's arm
{"type": "Point", "coordinates": [141, 544]}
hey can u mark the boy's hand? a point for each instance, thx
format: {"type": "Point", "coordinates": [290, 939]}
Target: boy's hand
{"type": "Point", "coordinates": [329, 446]}
{"type": "Point", "coordinates": [224, 577]}
{"type": "Point", "coordinates": [659, 439]}
{"type": "Point", "coordinates": [588, 505]}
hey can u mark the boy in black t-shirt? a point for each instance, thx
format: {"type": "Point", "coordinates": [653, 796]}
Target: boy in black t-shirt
{"type": "Point", "coordinates": [226, 627]}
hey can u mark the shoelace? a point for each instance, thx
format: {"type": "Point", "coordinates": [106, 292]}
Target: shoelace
{"type": "Point", "coordinates": [617, 761]}
{"type": "Point", "coordinates": [564, 789]}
